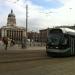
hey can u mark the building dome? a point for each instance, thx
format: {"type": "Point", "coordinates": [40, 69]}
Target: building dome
{"type": "Point", "coordinates": [11, 20]}
{"type": "Point", "coordinates": [11, 14]}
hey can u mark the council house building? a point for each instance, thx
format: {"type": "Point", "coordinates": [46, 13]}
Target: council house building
{"type": "Point", "coordinates": [11, 30]}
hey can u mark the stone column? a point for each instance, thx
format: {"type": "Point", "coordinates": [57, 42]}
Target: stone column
{"type": "Point", "coordinates": [10, 33]}
{"type": "Point", "coordinates": [20, 34]}
{"type": "Point", "coordinates": [5, 32]}
{"type": "Point", "coordinates": [2, 33]}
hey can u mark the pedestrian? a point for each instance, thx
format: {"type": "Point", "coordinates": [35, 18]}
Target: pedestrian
{"type": "Point", "coordinates": [1, 44]}
{"type": "Point", "coordinates": [23, 43]}
{"type": "Point", "coordinates": [5, 41]}
{"type": "Point", "coordinates": [12, 42]}
{"type": "Point", "coordinates": [9, 42]}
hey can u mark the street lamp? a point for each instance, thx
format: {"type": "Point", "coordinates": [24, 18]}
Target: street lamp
{"type": "Point", "coordinates": [26, 23]}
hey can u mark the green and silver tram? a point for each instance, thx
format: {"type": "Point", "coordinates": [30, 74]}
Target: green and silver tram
{"type": "Point", "coordinates": [60, 42]}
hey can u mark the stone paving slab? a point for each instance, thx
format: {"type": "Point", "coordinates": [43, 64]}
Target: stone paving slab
{"type": "Point", "coordinates": [14, 54]}
{"type": "Point", "coordinates": [52, 66]}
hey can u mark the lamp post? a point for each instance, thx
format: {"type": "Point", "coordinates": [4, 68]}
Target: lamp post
{"type": "Point", "coordinates": [26, 19]}
{"type": "Point", "coordinates": [25, 38]}
{"type": "Point", "coordinates": [26, 23]}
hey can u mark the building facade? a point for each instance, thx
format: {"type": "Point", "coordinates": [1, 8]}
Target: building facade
{"type": "Point", "coordinates": [33, 36]}
{"type": "Point", "coordinates": [11, 30]}
{"type": "Point", "coordinates": [43, 35]}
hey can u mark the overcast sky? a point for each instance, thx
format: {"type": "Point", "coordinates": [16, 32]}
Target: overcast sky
{"type": "Point", "coordinates": [41, 13]}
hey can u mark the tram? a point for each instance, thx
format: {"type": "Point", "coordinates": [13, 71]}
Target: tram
{"type": "Point", "coordinates": [60, 42]}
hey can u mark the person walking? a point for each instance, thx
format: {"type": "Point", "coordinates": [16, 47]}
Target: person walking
{"type": "Point", "coordinates": [1, 43]}
{"type": "Point", "coordinates": [5, 41]}
{"type": "Point", "coordinates": [12, 42]}
{"type": "Point", "coordinates": [23, 43]}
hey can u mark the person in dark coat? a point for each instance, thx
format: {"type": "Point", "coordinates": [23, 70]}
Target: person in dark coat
{"type": "Point", "coordinates": [12, 42]}
{"type": "Point", "coordinates": [5, 41]}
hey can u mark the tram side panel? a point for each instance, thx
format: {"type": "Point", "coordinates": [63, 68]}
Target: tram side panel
{"type": "Point", "coordinates": [67, 49]}
{"type": "Point", "coordinates": [72, 45]}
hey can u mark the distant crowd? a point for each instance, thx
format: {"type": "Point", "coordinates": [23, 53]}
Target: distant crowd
{"type": "Point", "coordinates": [5, 42]}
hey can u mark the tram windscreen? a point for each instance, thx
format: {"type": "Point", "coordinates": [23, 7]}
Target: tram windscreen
{"type": "Point", "coordinates": [56, 38]}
